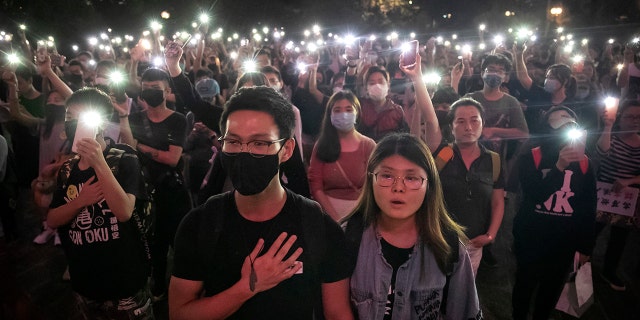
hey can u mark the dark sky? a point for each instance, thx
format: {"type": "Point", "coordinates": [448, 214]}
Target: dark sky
{"type": "Point", "coordinates": [75, 19]}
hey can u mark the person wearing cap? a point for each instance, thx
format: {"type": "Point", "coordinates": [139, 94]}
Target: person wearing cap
{"type": "Point", "coordinates": [556, 218]}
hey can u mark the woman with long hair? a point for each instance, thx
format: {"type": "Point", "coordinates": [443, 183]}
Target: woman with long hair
{"type": "Point", "coordinates": [410, 261]}
{"type": "Point", "coordinates": [339, 159]}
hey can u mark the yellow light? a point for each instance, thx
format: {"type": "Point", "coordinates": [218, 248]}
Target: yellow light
{"type": "Point", "coordinates": [556, 11]}
{"type": "Point", "coordinates": [165, 15]}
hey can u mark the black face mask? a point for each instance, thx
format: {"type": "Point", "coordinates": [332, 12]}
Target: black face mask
{"type": "Point", "coordinates": [212, 67]}
{"type": "Point", "coordinates": [153, 97]}
{"type": "Point", "coordinates": [75, 78]}
{"type": "Point", "coordinates": [70, 129]}
{"type": "Point", "coordinates": [250, 175]}
{"type": "Point", "coordinates": [54, 112]}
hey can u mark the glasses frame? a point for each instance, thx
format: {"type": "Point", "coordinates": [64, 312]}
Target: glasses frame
{"type": "Point", "coordinates": [223, 140]}
{"type": "Point", "coordinates": [395, 180]}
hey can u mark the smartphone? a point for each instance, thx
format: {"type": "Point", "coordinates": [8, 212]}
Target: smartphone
{"type": "Point", "coordinates": [83, 130]}
{"type": "Point", "coordinates": [41, 53]}
{"type": "Point", "coordinates": [172, 49]}
{"type": "Point", "coordinates": [57, 60]}
{"type": "Point", "coordinates": [410, 54]}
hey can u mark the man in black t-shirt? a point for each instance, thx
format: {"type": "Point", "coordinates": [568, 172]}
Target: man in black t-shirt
{"type": "Point", "coordinates": [93, 211]}
{"type": "Point", "coordinates": [261, 251]}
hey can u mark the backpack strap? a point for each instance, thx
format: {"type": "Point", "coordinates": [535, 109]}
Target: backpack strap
{"type": "Point", "coordinates": [444, 156]}
{"type": "Point", "coordinates": [452, 239]}
{"type": "Point", "coordinates": [584, 164]}
{"type": "Point", "coordinates": [495, 165]}
{"type": "Point", "coordinates": [537, 156]}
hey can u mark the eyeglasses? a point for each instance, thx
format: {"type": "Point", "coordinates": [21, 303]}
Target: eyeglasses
{"type": "Point", "coordinates": [256, 148]}
{"type": "Point", "coordinates": [631, 117]}
{"type": "Point", "coordinates": [496, 71]}
{"type": "Point", "coordinates": [387, 180]}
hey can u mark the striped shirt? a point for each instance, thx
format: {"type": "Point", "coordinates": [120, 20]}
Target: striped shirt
{"type": "Point", "coordinates": [622, 161]}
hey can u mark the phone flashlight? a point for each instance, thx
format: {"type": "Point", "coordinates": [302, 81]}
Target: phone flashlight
{"type": "Point", "coordinates": [13, 58]}
{"type": "Point", "coordinates": [249, 66]}
{"type": "Point", "coordinates": [88, 124]}
{"type": "Point", "coordinates": [302, 67]}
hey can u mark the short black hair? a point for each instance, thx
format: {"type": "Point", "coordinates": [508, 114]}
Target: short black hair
{"type": "Point", "coordinates": [155, 74]}
{"type": "Point", "coordinates": [498, 59]}
{"type": "Point", "coordinates": [26, 71]}
{"type": "Point", "coordinates": [204, 73]}
{"type": "Point", "coordinates": [271, 69]}
{"type": "Point", "coordinates": [464, 102]}
{"type": "Point", "coordinates": [445, 95]}
{"type": "Point", "coordinates": [95, 98]}
{"type": "Point", "coordinates": [264, 99]}
{"type": "Point", "coordinates": [257, 78]}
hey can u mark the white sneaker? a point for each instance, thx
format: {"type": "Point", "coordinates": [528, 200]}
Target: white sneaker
{"type": "Point", "coordinates": [56, 238]}
{"type": "Point", "coordinates": [46, 234]}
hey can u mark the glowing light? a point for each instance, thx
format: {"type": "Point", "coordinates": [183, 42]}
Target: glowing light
{"type": "Point", "coordinates": [611, 41]}
{"type": "Point", "coordinates": [431, 78]}
{"type": "Point", "coordinates": [394, 35]}
{"type": "Point", "coordinates": [412, 35]}
{"type": "Point", "coordinates": [91, 119]}
{"type": "Point", "coordinates": [155, 25]}
{"type": "Point", "coordinates": [158, 62]}
{"type": "Point", "coordinates": [116, 77]}
{"type": "Point", "coordinates": [585, 41]}
{"type": "Point", "coordinates": [316, 29]}
{"type": "Point", "coordinates": [577, 58]}
{"type": "Point", "coordinates": [257, 37]}
{"type": "Point", "coordinates": [265, 30]}
{"type": "Point", "coordinates": [23, 27]}
{"type": "Point", "coordinates": [447, 43]}
{"type": "Point", "coordinates": [372, 37]}
{"type": "Point", "coordinates": [466, 49]}
{"type": "Point", "coordinates": [249, 66]}
{"type": "Point", "coordinates": [307, 33]}
{"type": "Point", "coordinates": [146, 33]}
{"type": "Point", "coordinates": [560, 30]}
{"type": "Point", "coordinates": [13, 58]}
{"type": "Point", "coordinates": [204, 18]}
{"type": "Point", "coordinates": [569, 36]}
{"type": "Point", "coordinates": [74, 47]}
{"type": "Point", "coordinates": [254, 30]}
{"type": "Point", "coordinates": [92, 62]}
{"type": "Point", "coordinates": [482, 46]}
{"type": "Point", "coordinates": [620, 66]}
{"type": "Point", "coordinates": [276, 35]}
{"type": "Point", "coordinates": [575, 134]}
{"type": "Point", "coordinates": [349, 39]}
{"type": "Point", "coordinates": [165, 15]}
{"type": "Point", "coordinates": [233, 55]}
{"type": "Point", "coordinates": [482, 27]}
{"type": "Point", "coordinates": [635, 40]}
{"type": "Point", "coordinates": [301, 67]}
{"type": "Point", "coordinates": [93, 41]}
{"type": "Point", "coordinates": [610, 102]}
{"type": "Point", "coordinates": [194, 25]}
{"type": "Point", "coordinates": [454, 36]}
{"type": "Point", "coordinates": [311, 47]}
{"type": "Point", "coordinates": [439, 39]}
{"type": "Point", "coordinates": [556, 11]}
{"type": "Point", "coordinates": [568, 48]}
{"type": "Point", "coordinates": [145, 44]}
{"type": "Point", "coordinates": [235, 36]}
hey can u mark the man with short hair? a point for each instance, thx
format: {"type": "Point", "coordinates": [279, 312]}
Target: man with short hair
{"type": "Point", "coordinates": [250, 253]}
{"type": "Point", "coordinates": [93, 209]}
{"type": "Point", "coordinates": [159, 134]}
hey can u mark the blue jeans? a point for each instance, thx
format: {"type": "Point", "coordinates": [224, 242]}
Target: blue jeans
{"type": "Point", "coordinates": [136, 307]}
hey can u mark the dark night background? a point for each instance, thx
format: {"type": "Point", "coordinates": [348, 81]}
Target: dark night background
{"type": "Point", "coordinates": [74, 20]}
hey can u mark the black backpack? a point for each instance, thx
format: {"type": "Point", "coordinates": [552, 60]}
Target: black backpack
{"type": "Point", "coordinates": [142, 210]}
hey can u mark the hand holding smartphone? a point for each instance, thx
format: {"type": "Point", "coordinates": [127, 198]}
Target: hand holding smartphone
{"type": "Point", "coordinates": [410, 54]}
{"type": "Point", "coordinates": [83, 130]}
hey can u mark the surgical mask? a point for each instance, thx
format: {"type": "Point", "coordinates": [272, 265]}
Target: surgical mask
{"type": "Point", "coordinates": [153, 97]}
{"type": "Point", "coordinates": [343, 121]}
{"type": "Point", "coordinates": [551, 85]}
{"type": "Point", "coordinates": [250, 175]}
{"type": "Point", "coordinates": [492, 80]}
{"type": "Point", "coordinates": [276, 87]}
{"type": "Point", "coordinates": [378, 91]}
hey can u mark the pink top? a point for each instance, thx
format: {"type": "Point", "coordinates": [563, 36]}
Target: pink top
{"type": "Point", "coordinates": [328, 178]}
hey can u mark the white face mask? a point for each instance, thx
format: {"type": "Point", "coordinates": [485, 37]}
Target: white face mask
{"type": "Point", "coordinates": [377, 91]}
{"type": "Point", "coordinates": [276, 87]}
{"type": "Point", "coordinates": [343, 121]}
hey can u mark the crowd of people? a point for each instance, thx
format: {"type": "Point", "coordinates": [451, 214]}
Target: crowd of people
{"type": "Point", "coordinates": [213, 154]}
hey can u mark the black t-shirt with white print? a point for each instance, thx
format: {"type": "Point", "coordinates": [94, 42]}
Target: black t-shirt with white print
{"type": "Point", "coordinates": [106, 257]}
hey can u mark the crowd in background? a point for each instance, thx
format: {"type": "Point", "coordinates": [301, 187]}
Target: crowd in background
{"type": "Point", "coordinates": [346, 96]}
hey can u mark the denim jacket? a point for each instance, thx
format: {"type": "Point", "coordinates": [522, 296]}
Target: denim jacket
{"type": "Point", "coordinates": [416, 297]}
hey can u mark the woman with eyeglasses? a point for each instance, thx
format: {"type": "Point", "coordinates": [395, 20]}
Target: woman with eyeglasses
{"type": "Point", "coordinates": [339, 159]}
{"type": "Point", "coordinates": [409, 261]}
{"type": "Point", "coordinates": [619, 147]}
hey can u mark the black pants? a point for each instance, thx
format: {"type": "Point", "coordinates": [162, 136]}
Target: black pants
{"type": "Point", "coordinates": [172, 203]}
{"type": "Point", "coordinates": [541, 280]}
{"type": "Point", "coordinates": [615, 248]}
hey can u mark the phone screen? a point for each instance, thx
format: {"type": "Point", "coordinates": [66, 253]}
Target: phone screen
{"type": "Point", "coordinates": [409, 57]}
{"type": "Point", "coordinates": [83, 131]}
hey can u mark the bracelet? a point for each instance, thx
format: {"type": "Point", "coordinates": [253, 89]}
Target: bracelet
{"type": "Point", "coordinates": [123, 116]}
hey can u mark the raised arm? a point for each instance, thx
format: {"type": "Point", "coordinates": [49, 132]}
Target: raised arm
{"type": "Point", "coordinates": [423, 102]}
{"type": "Point", "coordinates": [521, 68]}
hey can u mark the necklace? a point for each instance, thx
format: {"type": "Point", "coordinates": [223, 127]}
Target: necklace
{"type": "Point", "coordinates": [253, 276]}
